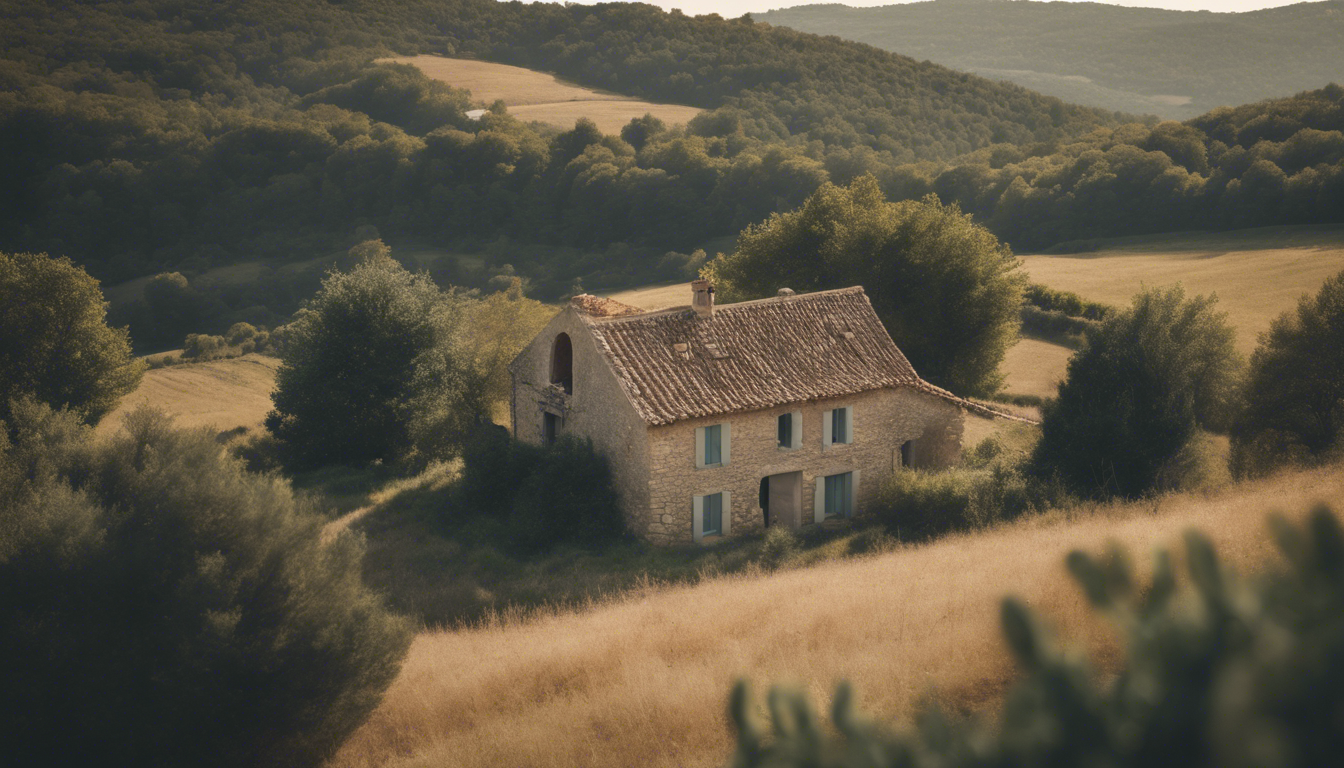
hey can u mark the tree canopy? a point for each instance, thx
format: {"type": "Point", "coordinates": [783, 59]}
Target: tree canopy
{"type": "Point", "coordinates": [1295, 390]}
{"type": "Point", "coordinates": [947, 290]}
{"type": "Point", "coordinates": [55, 343]}
{"type": "Point", "coordinates": [373, 367]}
{"type": "Point", "coordinates": [1148, 377]}
{"type": "Point", "coordinates": [161, 606]}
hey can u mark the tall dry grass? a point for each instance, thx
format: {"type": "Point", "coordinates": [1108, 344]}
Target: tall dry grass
{"type": "Point", "coordinates": [643, 680]}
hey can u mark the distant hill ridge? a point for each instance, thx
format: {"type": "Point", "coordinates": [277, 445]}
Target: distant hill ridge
{"type": "Point", "coordinates": [1176, 64]}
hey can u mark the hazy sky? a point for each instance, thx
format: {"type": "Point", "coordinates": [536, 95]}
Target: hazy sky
{"type": "Point", "coordinates": [734, 8]}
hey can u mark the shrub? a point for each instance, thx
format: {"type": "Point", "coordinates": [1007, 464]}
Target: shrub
{"type": "Point", "coordinates": [1135, 395]}
{"type": "Point", "coordinates": [561, 494]}
{"type": "Point", "coordinates": [918, 504]}
{"type": "Point", "coordinates": [1235, 673]}
{"type": "Point", "coordinates": [201, 346]}
{"type": "Point", "coordinates": [1295, 390]}
{"type": "Point", "coordinates": [373, 370]}
{"type": "Point", "coordinates": [160, 606]}
{"type": "Point", "coordinates": [54, 340]}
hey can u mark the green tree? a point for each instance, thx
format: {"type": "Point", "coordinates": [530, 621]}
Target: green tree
{"type": "Point", "coordinates": [947, 290]}
{"type": "Point", "coordinates": [1295, 390]}
{"type": "Point", "coordinates": [1134, 396]}
{"type": "Point", "coordinates": [55, 343]}
{"type": "Point", "coordinates": [160, 606]}
{"type": "Point", "coordinates": [373, 363]}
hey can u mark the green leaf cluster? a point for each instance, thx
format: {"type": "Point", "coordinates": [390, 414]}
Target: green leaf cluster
{"type": "Point", "coordinates": [374, 369]}
{"type": "Point", "coordinates": [55, 343]}
{"type": "Point", "coordinates": [947, 290]}
{"type": "Point", "coordinates": [1229, 671]}
{"type": "Point", "coordinates": [1295, 390]}
{"type": "Point", "coordinates": [1134, 396]}
{"type": "Point", "coordinates": [160, 606]}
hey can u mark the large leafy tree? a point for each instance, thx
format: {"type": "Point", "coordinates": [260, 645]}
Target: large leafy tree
{"type": "Point", "coordinates": [373, 366]}
{"type": "Point", "coordinates": [55, 343]}
{"type": "Point", "coordinates": [947, 290]}
{"type": "Point", "coordinates": [1149, 377]}
{"type": "Point", "coordinates": [161, 606]}
{"type": "Point", "coordinates": [1295, 391]}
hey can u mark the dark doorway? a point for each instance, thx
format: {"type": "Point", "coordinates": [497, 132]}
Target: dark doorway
{"type": "Point", "coordinates": [562, 363]}
{"type": "Point", "coordinates": [765, 499]}
{"type": "Point", "coordinates": [550, 427]}
{"type": "Point", "coordinates": [908, 453]}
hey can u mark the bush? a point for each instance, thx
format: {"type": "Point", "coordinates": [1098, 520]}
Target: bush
{"type": "Point", "coordinates": [1149, 377]}
{"type": "Point", "coordinates": [54, 340]}
{"type": "Point", "coordinates": [917, 504]}
{"type": "Point", "coordinates": [1240, 673]}
{"type": "Point", "coordinates": [374, 370]}
{"type": "Point", "coordinates": [560, 494]}
{"type": "Point", "coordinates": [1295, 391]}
{"type": "Point", "coordinates": [201, 346]}
{"type": "Point", "coordinates": [1065, 303]}
{"type": "Point", "coordinates": [160, 606]}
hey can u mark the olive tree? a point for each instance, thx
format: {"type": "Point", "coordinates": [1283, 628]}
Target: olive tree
{"type": "Point", "coordinates": [373, 368]}
{"type": "Point", "coordinates": [1134, 396]}
{"type": "Point", "coordinates": [1295, 390]}
{"type": "Point", "coordinates": [161, 606]}
{"type": "Point", "coordinates": [947, 290]}
{"type": "Point", "coordinates": [55, 343]}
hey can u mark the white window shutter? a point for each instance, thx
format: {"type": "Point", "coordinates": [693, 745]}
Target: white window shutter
{"type": "Point", "coordinates": [699, 448]}
{"type": "Point", "coordinates": [727, 522]}
{"type": "Point", "coordinates": [849, 424]}
{"type": "Point", "coordinates": [698, 518]}
{"type": "Point", "coordinates": [725, 443]}
{"type": "Point", "coordinates": [825, 430]}
{"type": "Point", "coordinates": [819, 500]}
{"type": "Point", "coordinates": [854, 493]}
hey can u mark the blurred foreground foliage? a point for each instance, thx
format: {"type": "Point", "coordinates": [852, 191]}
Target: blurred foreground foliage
{"type": "Point", "coordinates": [1228, 671]}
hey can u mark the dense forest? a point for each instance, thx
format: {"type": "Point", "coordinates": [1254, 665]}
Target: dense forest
{"type": "Point", "coordinates": [175, 136]}
{"type": "Point", "coordinates": [1176, 64]}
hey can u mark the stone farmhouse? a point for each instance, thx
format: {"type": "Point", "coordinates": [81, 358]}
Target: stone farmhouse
{"type": "Point", "coordinates": [717, 421]}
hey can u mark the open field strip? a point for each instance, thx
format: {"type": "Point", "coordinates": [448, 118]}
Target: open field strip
{"type": "Point", "coordinates": [1257, 273]}
{"type": "Point", "coordinates": [643, 680]}
{"type": "Point", "coordinates": [221, 394]}
{"type": "Point", "coordinates": [532, 95]}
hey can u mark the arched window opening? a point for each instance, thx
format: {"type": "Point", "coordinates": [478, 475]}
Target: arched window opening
{"type": "Point", "coordinates": [562, 364]}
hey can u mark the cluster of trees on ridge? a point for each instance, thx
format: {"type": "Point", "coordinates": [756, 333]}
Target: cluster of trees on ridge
{"type": "Point", "coordinates": [1104, 55]}
{"type": "Point", "coordinates": [267, 133]}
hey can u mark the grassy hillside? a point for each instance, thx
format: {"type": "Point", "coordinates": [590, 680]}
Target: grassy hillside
{"type": "Point", "coordinates": [539, 96]}
{"type": "Point", "coordinates": [1176, 64]}
{"type": "Point", "coordinates": [224, 395]}
{"type": "Point", "coordinates": [643, 679]}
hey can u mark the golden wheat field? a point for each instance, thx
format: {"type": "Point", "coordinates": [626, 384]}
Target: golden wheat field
{"type": "Point", "coordinates": [532, 95]}
{"type": "Point", "coordinates": [221, 394]}
{"type": "Point", "coordinates": [1257, 273]}
{"type": "Point", "coordinates": [643, 680]}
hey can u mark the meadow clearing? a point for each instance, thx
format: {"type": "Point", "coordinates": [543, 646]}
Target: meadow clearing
{"type": "Point", "coordinates": [532, 95]}
{"type": "Point", "coordinates": [643, 678]}
{"type": "Point", "coordinates": [223, 395]}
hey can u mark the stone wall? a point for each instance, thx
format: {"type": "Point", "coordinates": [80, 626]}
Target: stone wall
{"type": "Point", "coordinates": [597, 409]}
{"type": "Point", "coordinates": [883, 420]}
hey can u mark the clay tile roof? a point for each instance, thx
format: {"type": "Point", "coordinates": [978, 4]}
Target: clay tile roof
{"type": "Point", "coordinates": [596, 306]}
{"type": "Point", "coordinates": [675, 364]}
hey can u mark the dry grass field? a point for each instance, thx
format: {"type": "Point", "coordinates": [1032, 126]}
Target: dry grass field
{"type": "Point", "coordinates": [1257, 273]}
{"type": "Point", "coordinates": [221, 394]}
{"type": "Point", "coordinates": [532, 95]}
{"type": "Point", "coordinates": [643, 680]}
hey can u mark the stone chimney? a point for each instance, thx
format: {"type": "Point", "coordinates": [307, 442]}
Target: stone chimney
{"type": "Point", "coordinates": [702, 298]}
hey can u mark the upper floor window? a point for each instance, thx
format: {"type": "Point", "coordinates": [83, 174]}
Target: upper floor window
{"type": "Point", "coordinates": [789, 429]}
{"type": "Point", "coordinates": [562, 363]}
{"type": "Point", "coordinates": [837, 426]}
{"type": "Point", "coordinates": [713, 445]}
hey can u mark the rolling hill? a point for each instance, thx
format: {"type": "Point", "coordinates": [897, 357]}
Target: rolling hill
{"type": "Point", "coordinates": [1176, 64]}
